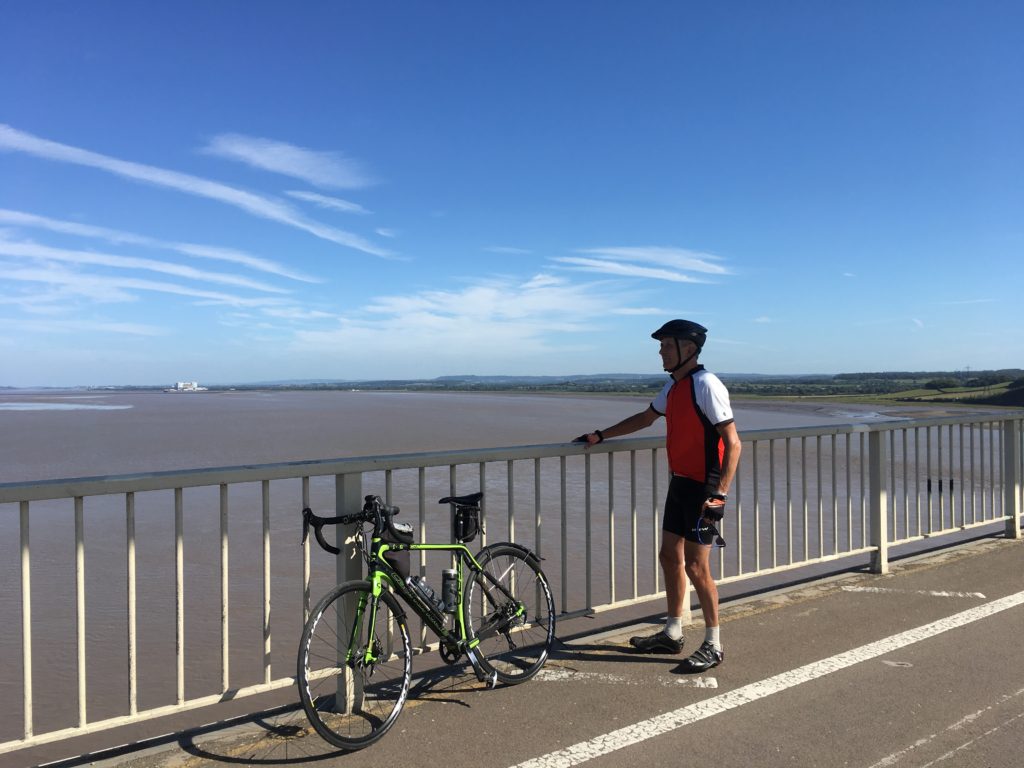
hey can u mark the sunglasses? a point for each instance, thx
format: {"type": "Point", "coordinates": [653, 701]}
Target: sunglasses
{"type": "Point", "coordinates": [708, 533]}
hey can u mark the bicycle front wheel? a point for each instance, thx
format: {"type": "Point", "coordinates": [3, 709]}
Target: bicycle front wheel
{"type": "Point", "coordinates": [354, 665]}
{"type": "Point", "coordinates": [509, 609]}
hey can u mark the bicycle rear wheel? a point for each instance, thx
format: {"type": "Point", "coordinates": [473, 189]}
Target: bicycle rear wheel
{"type": "Point", "coordinates": [354, 665]}
{"type": "Point", "coordinates": [509, 609]}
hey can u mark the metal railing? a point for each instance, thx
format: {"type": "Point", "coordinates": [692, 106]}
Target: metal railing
{"type": "Point", "coordinates": [802, 497]}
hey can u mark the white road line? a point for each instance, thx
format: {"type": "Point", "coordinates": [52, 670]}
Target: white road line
{"type": "Point", "coordinates": [895, 757]}
{"type": "Point", "coordinates": [723, 702]}
{"type": "Point", "coordinates": [929, 593]}
{"type": "Point", "coordinates": [560, 674]}
{"type": "Point", "coordinates": [972, 742]}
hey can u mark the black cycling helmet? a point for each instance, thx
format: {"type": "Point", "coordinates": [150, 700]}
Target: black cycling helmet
{"type": "Point", "coordinates": [684, 330]}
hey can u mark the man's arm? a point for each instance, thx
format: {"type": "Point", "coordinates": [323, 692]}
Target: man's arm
{"type": "Point", "coordinates": [731, 460]}
{"type": "Point", "coordinates": [626, 426]}
{"type": "Point", "coordinates": [714, 507]}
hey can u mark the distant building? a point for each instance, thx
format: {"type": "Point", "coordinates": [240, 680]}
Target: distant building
{"type": "Point", "coordinates": [187, 386]}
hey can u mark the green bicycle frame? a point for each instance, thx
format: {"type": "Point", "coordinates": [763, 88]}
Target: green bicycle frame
{"type": "Point", "coordinates": [381, 570]}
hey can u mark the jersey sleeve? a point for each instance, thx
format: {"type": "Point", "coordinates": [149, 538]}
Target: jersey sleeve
{"type": "Point", "coordinates": [713, 399]}
{"type": "Point", "coordinates": [660, 403]}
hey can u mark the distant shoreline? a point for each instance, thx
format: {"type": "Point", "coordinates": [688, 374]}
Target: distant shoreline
{"type": "Point", "coordinates": [1003, 388]}
{"type": "Point", "coordinates": [768, 401]}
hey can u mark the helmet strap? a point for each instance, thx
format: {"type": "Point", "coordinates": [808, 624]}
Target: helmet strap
{"type": "Point", "coordinates": [679, 353]}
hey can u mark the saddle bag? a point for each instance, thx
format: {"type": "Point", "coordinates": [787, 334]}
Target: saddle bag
{"type": "Point", "coordinates": [466, 524]}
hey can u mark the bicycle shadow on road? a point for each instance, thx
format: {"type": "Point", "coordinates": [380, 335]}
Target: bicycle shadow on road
{"type": "Point", "coordinates": [288, 739]}
{"type": "Point", "coordinates": [284, 739]}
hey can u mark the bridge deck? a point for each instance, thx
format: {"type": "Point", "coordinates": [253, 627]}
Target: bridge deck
{"type": "Point", "coordinates": [915, 668]}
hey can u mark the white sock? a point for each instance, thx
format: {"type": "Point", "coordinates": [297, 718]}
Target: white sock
{"type": "Point", "coordinates": [711, 636]}
{"type": "Point", "coordinates": [674, 627]}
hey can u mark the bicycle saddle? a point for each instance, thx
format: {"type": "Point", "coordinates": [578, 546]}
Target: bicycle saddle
{"type": "Point", "coordinates": [469, 500]}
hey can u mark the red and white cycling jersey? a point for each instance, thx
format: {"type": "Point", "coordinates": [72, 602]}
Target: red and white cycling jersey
{"type": "Point", "coordinates": [693, 408]}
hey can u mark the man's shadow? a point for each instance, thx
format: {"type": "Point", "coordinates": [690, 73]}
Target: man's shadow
{"type": "Point", "coordinates": [621, 653]}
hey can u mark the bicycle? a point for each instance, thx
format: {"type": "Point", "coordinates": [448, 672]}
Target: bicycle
{"type": "Point", "coordinates": [355, 657]}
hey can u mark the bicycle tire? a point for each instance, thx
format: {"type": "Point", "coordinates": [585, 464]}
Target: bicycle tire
{"type": "Point", "coordinates": [515, 636]}
{"type": "Point", "coordinates": [377, 691]}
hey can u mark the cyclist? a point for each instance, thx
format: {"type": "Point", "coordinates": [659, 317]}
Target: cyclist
{"type": "Point", "coordinates": [703, 453]}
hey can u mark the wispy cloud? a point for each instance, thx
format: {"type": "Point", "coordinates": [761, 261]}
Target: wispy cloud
{"type": "Point", "coordinates": [497, 318]}
{"type": "Point", "coordinates": [542, 280]}
{"type": "Point", "coordinates": [107, 288]}
{"type": "Point", "coordinates": [331, 203]}
{"type": "Point", "coordinates": [764, 319]}
{"type": "Point", "coordinates": [82, 326]}
{"type": "Point", "coordinates": [240, 257]}
{"type": "Point", "coordinates": [507, 249]}
{"type": "Point", "coordinates": [118, 237]}
{"type": "Point", "coordinates": [297, 313]}
{"type": "Point", "coordinates": [621, 269]}
{"type": "Point", "coordinates": [42, 252]}
{"type": "Point", "coordinates": [650, 262]}
{"type": "Point", "coordinates": [321, 169]}
{"type": "Point", "coordinates": [648, 311]}
{"type": "Point", "coordinates": [256, 205]}
{"type": "Point", "coordinates": [63, 282]}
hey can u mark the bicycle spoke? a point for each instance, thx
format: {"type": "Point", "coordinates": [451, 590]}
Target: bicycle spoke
{"type": "Point", "coordinates": [515, 646]}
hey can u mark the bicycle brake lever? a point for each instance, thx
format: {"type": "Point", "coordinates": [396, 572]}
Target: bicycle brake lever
{"type": "Point", "coordinates": [306, 514]}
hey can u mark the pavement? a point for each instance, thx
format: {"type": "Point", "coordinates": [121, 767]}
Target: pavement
{"type": "Point", "coordinates": [916, 668]}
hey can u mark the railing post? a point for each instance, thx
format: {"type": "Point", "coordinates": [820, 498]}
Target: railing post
{"type": "Point", "coordinates": [26, 618]}
{"type": "Point", "coordinates": [879, 502]}
{"type": "Point", "coordinates": [1011, 478]}
{"type": "Point", "coordinates": [348, 498]}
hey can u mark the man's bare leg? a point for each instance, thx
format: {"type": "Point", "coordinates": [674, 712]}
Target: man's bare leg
{"type": "Point", "coordinates": [670, 638]}
{"type": "Point", "coordinates": [673, 560]}
{"type": "Point", "coordinates": [698, 569]}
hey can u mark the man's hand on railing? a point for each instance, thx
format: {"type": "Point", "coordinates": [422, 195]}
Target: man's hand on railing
{"type": "Point", "coordinates": [590, 438]}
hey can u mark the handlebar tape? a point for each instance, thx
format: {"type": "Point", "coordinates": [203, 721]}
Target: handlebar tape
{"type": "Point", "coordinates": [310, 518]}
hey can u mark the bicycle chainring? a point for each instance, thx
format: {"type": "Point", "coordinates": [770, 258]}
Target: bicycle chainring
{"type": "Point", "coordinates": [450, 655]}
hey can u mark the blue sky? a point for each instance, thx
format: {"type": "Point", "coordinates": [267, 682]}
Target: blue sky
{"type": "Point", "coordinates": [248, 191]}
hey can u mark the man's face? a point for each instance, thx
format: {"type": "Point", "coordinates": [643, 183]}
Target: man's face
{"type": "Point", "coordinates": [669, 353]}
{"type": "Point", "coordinates": [670, 350]}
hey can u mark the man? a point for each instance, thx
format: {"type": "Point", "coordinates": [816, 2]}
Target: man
{"type": "Point", "coordinates": [703, 453]}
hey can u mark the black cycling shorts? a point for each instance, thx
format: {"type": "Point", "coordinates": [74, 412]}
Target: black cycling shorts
{"type": "Point", "coordinates": [683, 507]}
